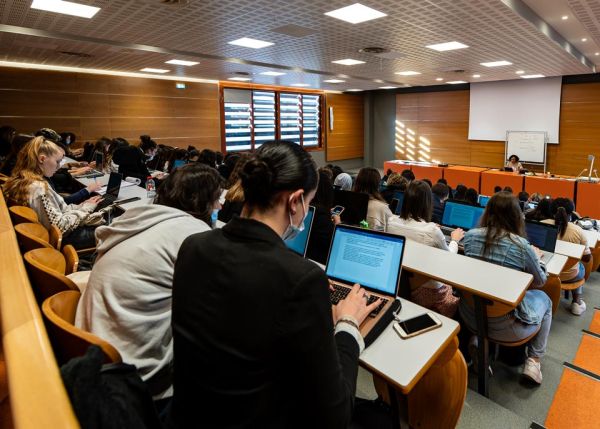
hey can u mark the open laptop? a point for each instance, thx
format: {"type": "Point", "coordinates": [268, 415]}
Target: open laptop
{"type": "Point", "coordinates": [179, 163]}
{"type": "Point", "coordinates": [483, 200]}
{"type": "Point", "coordinates": [355, 205]}
{"type": "Point", "coordinates": [397, 201]}
{"type": "Point", "coordinates": [300, 243]}
{"type": "Point", "coordinates": [112, 191]}
{"type": "Point", "coordinates": [460, 215]}
{"type": "Point", "coordinates": [370, 258]}
{"type": "Point", "coordinates": [542, 236]}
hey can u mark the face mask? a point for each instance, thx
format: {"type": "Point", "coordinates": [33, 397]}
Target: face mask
{"type": "Point", "coordinates": [149, 158]}
{"type": "Point", "coordinates": [292, 230]}
{"type": "Point", "coordinates": [214, 216]}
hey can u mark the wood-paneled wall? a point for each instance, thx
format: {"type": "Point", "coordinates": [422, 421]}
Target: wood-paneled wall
{"type": "Point", "coordinates": [92, 106]}
{"type": "Point", "coordinates": [435, 125]}
{"type": "Point", "coordinates": [346, 140]}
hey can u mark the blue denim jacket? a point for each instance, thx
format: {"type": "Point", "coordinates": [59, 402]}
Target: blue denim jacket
{"type": "Point", "coordinates": [516, 253]}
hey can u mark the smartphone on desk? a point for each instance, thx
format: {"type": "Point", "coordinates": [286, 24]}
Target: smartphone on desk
{"type": "Point", "coordinates": [416, 325]}
{"type": "Point", "coordinates": [337, 210]}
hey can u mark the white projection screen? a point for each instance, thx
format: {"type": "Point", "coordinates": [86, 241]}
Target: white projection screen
{"type": "Point", "coordinates": [519, 105]}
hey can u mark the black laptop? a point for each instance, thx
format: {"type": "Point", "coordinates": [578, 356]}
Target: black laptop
{"type": "Point", "coordinates": [542, 236]}
{"type": "Point", "coordinates": [112, 191]}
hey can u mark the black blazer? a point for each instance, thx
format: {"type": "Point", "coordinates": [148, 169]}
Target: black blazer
{"type": "Point", "coordinates": [253, 336]}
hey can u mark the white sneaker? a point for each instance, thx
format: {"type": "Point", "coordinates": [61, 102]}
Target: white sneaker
{"type": "Point", "coordinates": [578, 309]}
{"type": "Point", "coordinates": [533, 371]}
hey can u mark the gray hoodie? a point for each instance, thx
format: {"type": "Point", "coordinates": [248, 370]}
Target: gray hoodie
{"type": "Point", "coordinates": [127, 301]}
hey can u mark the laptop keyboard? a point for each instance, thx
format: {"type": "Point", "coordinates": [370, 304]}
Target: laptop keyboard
{"type": "Point", "coordinates": [106, 201]}
{"type": "Point", "coordinates": [340, 292]}
{"type": "Point", "coordinates": [90, 174]}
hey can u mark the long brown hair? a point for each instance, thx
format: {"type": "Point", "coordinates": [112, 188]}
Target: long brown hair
{"type": "Point", "coordinates": [367, 182]}
{"type": "Point", "coordinates": [234, 183]}
{"type": "Point", "coordinates": [502, 217]}
{"type": "Point", "coordinates": [417, 202]}
{"type": "Point", "coordinates": [27, 170]}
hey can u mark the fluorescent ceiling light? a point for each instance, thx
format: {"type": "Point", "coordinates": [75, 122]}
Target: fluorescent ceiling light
{"type": "Point", "coordinates": [476, 75]}
{"type": "Point", "coordinates": [334, 81]}
{"type": "Point", "coordinates": [240, 79]}
{"type": "Point", "coordinates": [182, 62]}
{"type": "Point", "coordinates": [597, 53]}
{"type": "Point", "coordinates": [272, 73]}
{"type": "Point", "coordinates": [584, 40]}
{"type": "Point", "coordinates": [564, 17]}
{"type": "Point", "coordinates": [519, 72]}
{"type": "Point", "coordinates": [532, 76]}
{"type": "Point", "coordinates": [354, 90]}
{"type": "Point", "coordinates": [348, 62]}
{"type": "Point", "coordinates": [448, 46]}
{"type": "Point", "coordinates": [455, 82]}
{"type": "Point", "coordinates": [496, 64]}
{"type": "Point", "coordinates": [151, 70]}
{"type": "Point", "coordinates": [407, 73]}
{"type": "Point", "coordinates": [356, 13]}
{"type": "Point", "coordinates": [65, 7]}
{"type": "Point", "coordinates": [439, 79]}
{"type": "Point", "coordinates": [246, 42]}
{"type": "Point", "coordinates": [388, 87]}
{"type": "Point", "coordinates": [300, 84]}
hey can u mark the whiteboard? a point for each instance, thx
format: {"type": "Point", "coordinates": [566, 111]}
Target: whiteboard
{"type": "Point", "coordinates": [529, 146]}
{"type": "Point", "coordinates": [525, 104]}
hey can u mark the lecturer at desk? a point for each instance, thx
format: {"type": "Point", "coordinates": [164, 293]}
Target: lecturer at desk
{"type": "Point", "coordinates": [513, 162]}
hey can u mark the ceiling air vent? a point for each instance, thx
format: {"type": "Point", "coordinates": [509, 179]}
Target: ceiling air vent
{"type": "Point", "coordinates": [75, 54]}
{"type": "Point", "coordinates": [373, 50]}
{"type": "Point", "coordinates": [174, 2]}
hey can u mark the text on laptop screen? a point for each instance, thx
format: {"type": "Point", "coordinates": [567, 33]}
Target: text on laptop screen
{"type": "Point", "coordinates": [542, 236]}
{"type": "Point", "coordinates": [461, 215]}
{"type": "Point", "coordinates": [298, 244]}
{"type": "Point", "coordinates": [367, 258]}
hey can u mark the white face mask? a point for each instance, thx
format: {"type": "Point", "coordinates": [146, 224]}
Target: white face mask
{"type": "Point", "coordinates": [292, 230]}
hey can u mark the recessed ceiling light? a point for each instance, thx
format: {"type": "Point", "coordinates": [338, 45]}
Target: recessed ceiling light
{"type": "Point", "coordinates": [519, 72]}
{"type": "Point", "coordinates": [496, 64]}
{"type": "Point", "coordinates": [565, 17]}
{"type": "Point", "coordinates": [240, 79]}
{"type": "Point", "coordinates": [182, 62]}
{"type": "Point", "coordinates": [448, 46]}
{"type": "Point", "coordinates": [408, 73]}
{"type": "Point", "coordinates": [584, 40]}
{"type": "Point", "coordinates": [532, 76]}
{"type": "Point", "coordinates": [247, 42]}
{"type": "Point", "coordinates": [476, 75]}
{"type": "Point", "coordinates": [456, 82]}
{"type": "Point", "coordinates": [354, 90]}
{"type": "Point", "coordinates": [356, 13]}
{"type": "Point", "coordinates": [272, 73]}
{"type": "Point", "coordinates": [388, 87]}
{"type": "Point", "coordinates": [334, 81]}
{"type": "Point", "coordinates": [65, 7]}
{"type": "Point", "coordinates": [597, 53]}
{"type": "Point", "coordinates": [348, 62]}
{"type": "Point", "coordinates": [439, 79]}
{"type": "Point", "coordinates": [151, 70]}
{"type": "Point", "coordinates": [300, 84]}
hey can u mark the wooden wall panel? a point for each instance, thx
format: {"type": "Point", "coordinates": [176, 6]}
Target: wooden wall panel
{"type": "Point", "coordinates": [346, 141]}
{"type": "Point", "coordinates": [92, 106]}
{"type": "Point", "coordinates": [441, 119]}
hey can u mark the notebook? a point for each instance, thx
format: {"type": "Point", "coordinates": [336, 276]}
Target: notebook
{"type": "Point", "coordinates": [300, 243]}
{"type": "Point", "coordinates": [355, 205]}
{"type": "Point", "coordinates": [542, 236]}
{"type": "Point", "coordinates": [370, 258]}
{"type": "Point", "coordinates": [112, 191]}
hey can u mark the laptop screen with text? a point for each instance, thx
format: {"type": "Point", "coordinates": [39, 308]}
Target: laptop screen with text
{"type": "Point", "coordinates": [370, 258]}
{"type": "Point", "coordinates": [458, 215]}
{"type": "Point", "coordinates": [300, 242]}
{"type": "Point", "coordinates": [542, 235]}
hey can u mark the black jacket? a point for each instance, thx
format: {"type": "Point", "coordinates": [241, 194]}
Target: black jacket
{"type": "Point", "coordinates": [253, 336]}
{"type": "Point", "coordinates": [132, 163]}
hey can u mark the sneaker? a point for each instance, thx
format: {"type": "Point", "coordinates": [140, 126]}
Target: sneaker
{"type": "Point", "coordinates": [533, 371]}
{"type": "Point", "coordinates": [578, 309]}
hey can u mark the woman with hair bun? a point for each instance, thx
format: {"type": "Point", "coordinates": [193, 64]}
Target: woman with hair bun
{"type": "Point", "coordinates": [257, 343]}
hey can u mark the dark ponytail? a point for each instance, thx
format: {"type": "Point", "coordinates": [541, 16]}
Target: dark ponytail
{"type": "Point", "coordinates": [277, 166]}
{"type": "Point", "coordinates": [561, 210]}
{"type": "Point", "coordinates": [147, 143]}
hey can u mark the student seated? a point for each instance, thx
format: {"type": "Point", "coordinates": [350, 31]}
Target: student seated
{"type": "Point", "coordinates": [408, 175]}
{"type": "Point", "coordinates": [415, 223]}
{"type": "Point", "coordinates": [561, 210]}
{"type": "Point", "coordinates": [395, 183]}
{"type": "Point", "coordinates": [28, 186]}
{"type": "Point", "coordinates": [344, 181]}
{"type": "Point", "coordinates": [256, 343]}
{"type": "Point", "coordinates": [132, 160]}
{"type": "Point", "coordinates": [500, 240]}
{"type": "Point", "coordinates": [323, 221]}
{"type": "Point", "coordinates": [472, 197]}
{"type": "Point", "coordinates": [233, 196]}
{"type": "Point", "coordinates": [128, 296]}
{"type": "Point", "coordinates": [440, 193]}
{"type": "Point", "coordinates": [542, 212]}
{"type": "Point", "coordinates": [460, 193]}
{"type": "Point", "coordinates": [378, 212]}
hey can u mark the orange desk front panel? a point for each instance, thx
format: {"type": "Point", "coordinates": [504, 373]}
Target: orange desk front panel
{"type": "Point", "coordinates": [461, 175]}
{"type": "Point", "coordinates": [588, 199]}
{"type": "Point", "coordinates": [431, 172]}
{"type": "Point", "coordinates": [395, 166]}
{"type": "Point", "coordinates": [492, 178]}
{"type": "Point", "coordinates": [555, 187]}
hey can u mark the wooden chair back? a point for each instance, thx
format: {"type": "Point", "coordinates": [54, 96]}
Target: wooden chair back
{"type": "Point", "coordinates": [32, 236]}
{"type": "Point", "coordinates": [71, 259]}
{"type": "Point", "coordinates": [21, 214]}
{"type": "Point", "coordinates": [46, 269]}
{"type": "Point", "coordinates": [55, 237]}
{"type": "Point", "coordinates": [67, 340]}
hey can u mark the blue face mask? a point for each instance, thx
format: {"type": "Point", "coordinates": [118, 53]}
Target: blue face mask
{"type": "Point", "coordinates": [214, 216]}
{"type": "Point", "coordinates": [292, 230]}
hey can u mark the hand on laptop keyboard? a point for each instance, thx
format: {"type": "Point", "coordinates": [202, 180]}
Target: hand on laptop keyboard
{"type": "Point", "coordinates": [354, 304]}
{"type": "Point", "coordinates": [457, 234]}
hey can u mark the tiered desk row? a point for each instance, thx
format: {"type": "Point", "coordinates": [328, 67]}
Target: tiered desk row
{"type": "Point", "coordinates": [586, 195]}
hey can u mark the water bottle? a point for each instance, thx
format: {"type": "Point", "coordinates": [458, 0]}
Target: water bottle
{"type": "Point", "coordinates": [150, 187]}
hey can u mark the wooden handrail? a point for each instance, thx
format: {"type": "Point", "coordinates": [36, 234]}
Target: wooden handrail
{"type": "Point", "coordinates": [36, 392]}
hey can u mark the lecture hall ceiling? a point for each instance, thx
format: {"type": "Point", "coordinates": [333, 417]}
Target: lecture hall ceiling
{"type": "Point", "coordinates": [127, 36]}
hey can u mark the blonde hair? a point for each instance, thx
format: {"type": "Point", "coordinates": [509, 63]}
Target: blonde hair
{"type": "Point", "coordinates": [27, 169]}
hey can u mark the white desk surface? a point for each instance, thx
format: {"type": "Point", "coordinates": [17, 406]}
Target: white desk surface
{"type": "Point", "coordinates": [403, 362]}
{"type": "Point", "coordinates": [482, 278]}
{"type": "Point", "coordinates": [556, 264]}
{"type": "Point", "coordinates": [592, 237]}
{"type": "Point", "coordinates": [572, 250]}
